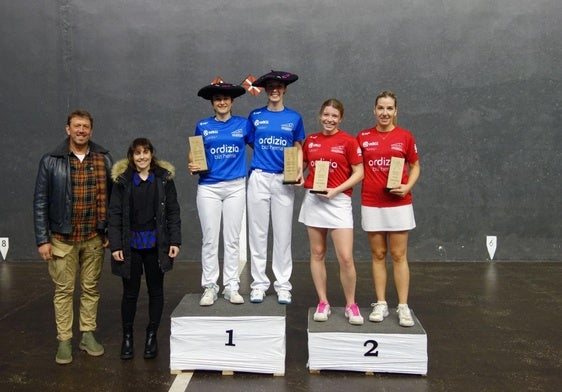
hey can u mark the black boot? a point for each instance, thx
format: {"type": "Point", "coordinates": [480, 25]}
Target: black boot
{"type": "Point", "coordinates": [151, 345]}
{"type": "Point", "coordinates": [127, 345]}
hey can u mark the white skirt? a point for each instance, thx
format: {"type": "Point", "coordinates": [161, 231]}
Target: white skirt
{"type": "Point", "coordinates": [317, 211]}
{"type": "Point", "coordinates": [399, 218]}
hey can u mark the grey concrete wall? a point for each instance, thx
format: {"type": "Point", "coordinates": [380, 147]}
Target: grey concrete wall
{"type": "Point", "coordinates": [478, 84]}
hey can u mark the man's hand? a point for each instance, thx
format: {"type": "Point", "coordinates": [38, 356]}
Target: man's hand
{"type": "Point", "coordinates": [45, 251]}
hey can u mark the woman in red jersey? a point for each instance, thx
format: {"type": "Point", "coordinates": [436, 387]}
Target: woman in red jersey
{"type": "Point", "coordinates": [332, 211]}
{"type": "Point", "coordinates": [387, 215]}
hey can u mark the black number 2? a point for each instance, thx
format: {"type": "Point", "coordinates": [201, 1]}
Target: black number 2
{"type": "Point", "coordinates": [371, 352]}
{"type": "Point", "coordinates": [229, 343]}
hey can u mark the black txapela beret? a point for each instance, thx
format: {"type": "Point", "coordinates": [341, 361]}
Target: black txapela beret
{"type": "Point", "coordinates": [283, 77]}
{"type": "Point", "coordinates": [230, 90]}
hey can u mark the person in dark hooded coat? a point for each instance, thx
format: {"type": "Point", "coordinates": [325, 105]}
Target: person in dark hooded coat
{"type": "Point", "coordinates": [144, 234]}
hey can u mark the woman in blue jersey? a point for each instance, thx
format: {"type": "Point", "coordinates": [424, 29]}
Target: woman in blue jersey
{"type": "Point", "coordinates": [222, 190]}
{"type": "Point", "coordinates": [274, 127]}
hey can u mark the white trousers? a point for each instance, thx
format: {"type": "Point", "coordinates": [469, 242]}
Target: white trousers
{"type": "Point", "coordinates": [224, 199]}
{"type": "Point", "coordinates": [267, 194]}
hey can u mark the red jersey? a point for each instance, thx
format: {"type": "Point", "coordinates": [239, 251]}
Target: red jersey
{"type": "Point", "coordinates": [377, 149]}
{"type": "Point", "coordinates": [341, 149]}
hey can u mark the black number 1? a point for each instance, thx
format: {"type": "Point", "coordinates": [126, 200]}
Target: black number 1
{"type": "Point", "coordinates": [229, 343]}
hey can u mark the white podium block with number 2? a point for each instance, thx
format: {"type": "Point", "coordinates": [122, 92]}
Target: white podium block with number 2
{"type": "Point", "coordinates": [227, 337]}
{"type": "Point", "coordinates": [373, 347]}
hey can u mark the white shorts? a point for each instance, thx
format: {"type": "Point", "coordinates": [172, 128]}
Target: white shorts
{"type": "Point", "coordinates": [399, 218]}
{"type": "Point", "coordinates": [317, 211]}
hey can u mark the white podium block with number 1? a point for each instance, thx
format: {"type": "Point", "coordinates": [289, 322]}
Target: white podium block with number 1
{"type": "Point", "coordinates": [226, 337]}
{"type": "Point", "coordinates": [383, 347]}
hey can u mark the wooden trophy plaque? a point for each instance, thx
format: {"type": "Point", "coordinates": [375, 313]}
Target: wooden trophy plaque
{"type": "Point", "coordinates": [394, 173]}
{"type": "Point", "coordinates": [321, 171]}
{"type": "Point", "coordinates": [198, 153]}
{"type": "Point", "coordinates": [291, 165]}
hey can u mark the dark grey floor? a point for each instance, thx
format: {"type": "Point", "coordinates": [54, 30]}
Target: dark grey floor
{"type": "Point", "coordinates": [490, 327]}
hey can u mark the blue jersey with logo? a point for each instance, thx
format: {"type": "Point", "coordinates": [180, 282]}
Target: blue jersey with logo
{"type": "Point", "coordinates": [225, 148]}
{"type": "Point", "coordinates": [270, 133]}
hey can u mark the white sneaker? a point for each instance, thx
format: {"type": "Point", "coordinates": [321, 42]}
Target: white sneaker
{"type": "Point", "coordinates": [380, 311]}
{"type": "Point", "coordinates": [257, 296]}
{"type": "Point", "coordinates": [322, 312]}
{"type": "Point", "coordinates": [233, 297]}
{"type": "Point", "coordinates": [209, 296]}
{"type": "Point", "coordinates": [405, 318]}
{"type": "Point", "coordinates": [284, 297]}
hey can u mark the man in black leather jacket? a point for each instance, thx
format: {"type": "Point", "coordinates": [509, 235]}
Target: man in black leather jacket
{"type": "Point", "coordinates": [70, 214]}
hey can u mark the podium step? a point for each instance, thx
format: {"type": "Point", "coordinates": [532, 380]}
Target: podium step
{"type": "Point", "coordinates": [383, 347]}
{"type": "Point", "coordinates": [228, 338]}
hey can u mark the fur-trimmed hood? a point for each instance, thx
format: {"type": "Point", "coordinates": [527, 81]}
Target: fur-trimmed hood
{"type": "Point", "coordinates": [121, 166]}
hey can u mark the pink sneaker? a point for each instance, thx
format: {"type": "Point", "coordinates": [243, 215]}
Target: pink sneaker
{"type": "Point", "coordinates": [353, 315]}
{"type": "Point", "coordinates": [322, 311]}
